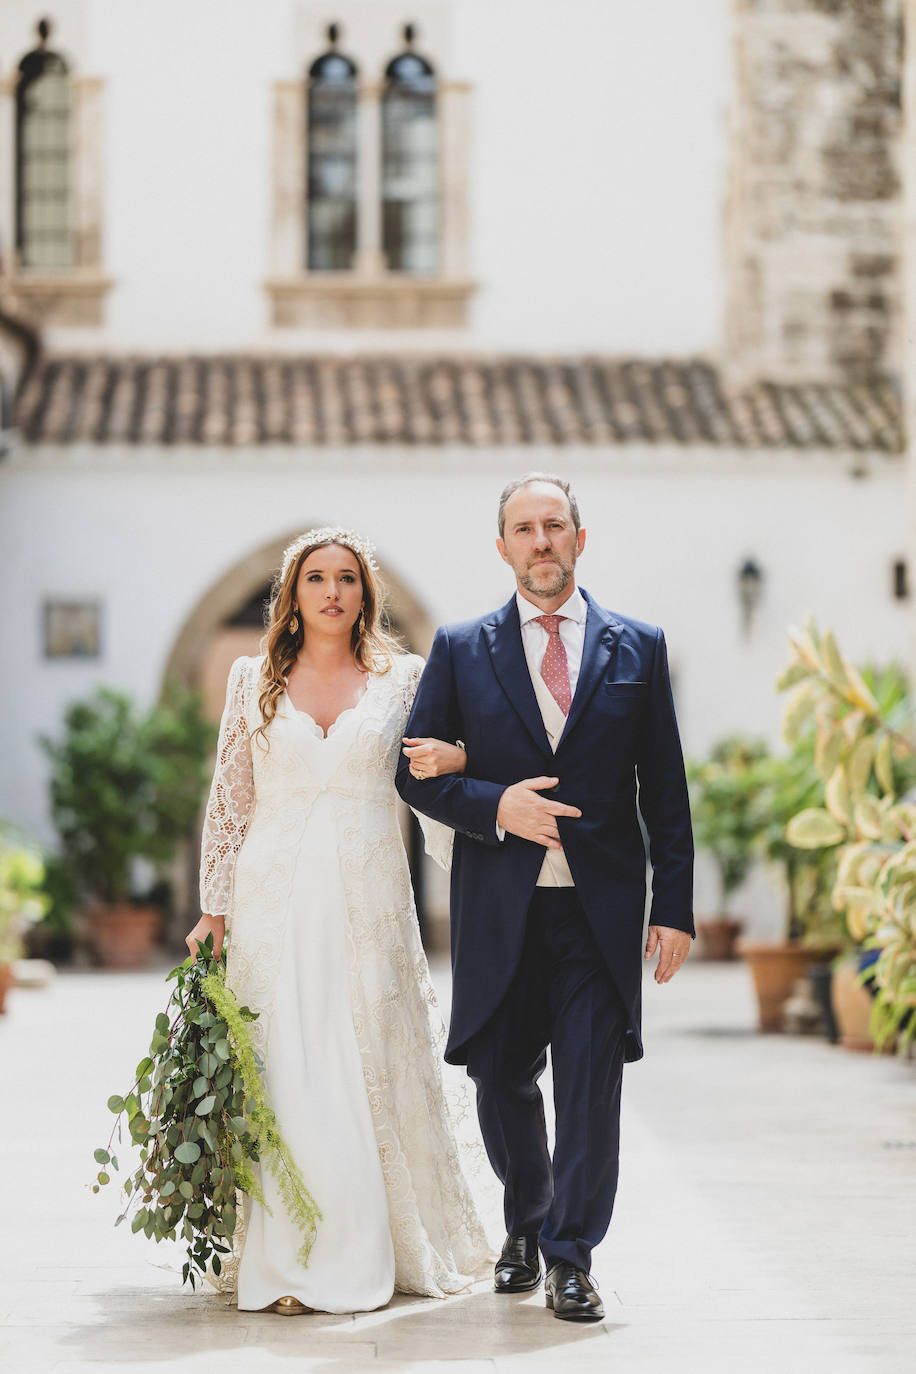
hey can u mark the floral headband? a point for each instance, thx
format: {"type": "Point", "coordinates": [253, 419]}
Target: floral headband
{"type": "Point", "coordinates": [329, 534]}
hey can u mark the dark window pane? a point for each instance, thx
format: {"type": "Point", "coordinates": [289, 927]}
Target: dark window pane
{"type": "Point", "coordinates": [331, 175]}
{"type": "Point", "coordinates": [410, 167]}
{"type": "Point", "coordinates": [43, 237]}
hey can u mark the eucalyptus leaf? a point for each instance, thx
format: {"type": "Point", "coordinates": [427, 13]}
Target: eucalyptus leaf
{"type": "Point", "coordinates": [206, 1106]}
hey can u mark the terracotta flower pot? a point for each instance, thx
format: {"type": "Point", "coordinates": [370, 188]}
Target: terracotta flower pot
{"type": "Point", "coordinates": [775, 967]}
{"type": "Point", "coordinates": [717, 937]}
{"type": "Point", "coordinates": [122, 935]}
{"type": "Point", "coordinates": [6, 982]}
{"type": "Point", "coordinates": [852, 1004]}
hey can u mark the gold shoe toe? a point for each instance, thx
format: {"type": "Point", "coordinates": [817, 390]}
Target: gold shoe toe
{"type": "Point", "coordinates": [289, 1307]}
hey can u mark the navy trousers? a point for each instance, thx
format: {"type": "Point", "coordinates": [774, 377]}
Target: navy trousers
{"type": "Point", "coordinates": [561, 996]}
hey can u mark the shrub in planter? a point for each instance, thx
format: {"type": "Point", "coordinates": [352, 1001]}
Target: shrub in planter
{"type": "Point", "coordinates": [866, 759]}
{"type": "Point", "coordinates": [812, 933]}
{"type": "Point", "coordinates": [725, 792]}
{"type": "Point", "coordinates": [21, 903]}
{"type": "Point", "coordinates": [125, 787]}
{"type": "Point", "coordinates": [55, 935]}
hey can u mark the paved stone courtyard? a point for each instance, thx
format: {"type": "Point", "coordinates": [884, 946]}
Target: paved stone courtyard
{"type": "Point", "coordinates": [766, 1220]}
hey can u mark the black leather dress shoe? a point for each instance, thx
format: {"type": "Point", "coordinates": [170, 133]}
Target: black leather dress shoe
{"type": "Point", "coordinates": [518, 1268]}
{"type": "Point", "coordinates": [570, 1294]}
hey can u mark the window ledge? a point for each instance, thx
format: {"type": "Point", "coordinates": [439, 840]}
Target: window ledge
{"type": "Point", "coordinates": [342, 300]}
{"type": "Point", "coordinates": [62, 298]}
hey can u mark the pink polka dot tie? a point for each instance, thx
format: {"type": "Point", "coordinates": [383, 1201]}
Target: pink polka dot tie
{"type": "Point", "coordinates": [554, 667]}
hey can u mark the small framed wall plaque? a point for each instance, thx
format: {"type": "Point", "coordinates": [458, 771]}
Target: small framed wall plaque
{"type": "Point", "coordinates": [72, 629]}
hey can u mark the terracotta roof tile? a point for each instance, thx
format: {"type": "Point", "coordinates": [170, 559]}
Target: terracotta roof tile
{"type": "Point", "coordinates": [251, 400]}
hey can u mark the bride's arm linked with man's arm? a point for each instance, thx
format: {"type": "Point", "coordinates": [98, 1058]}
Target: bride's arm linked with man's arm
{"type": "Point", "coordinates": [479, 809]}
{"type": "Point", "coordinates": [228, 813]}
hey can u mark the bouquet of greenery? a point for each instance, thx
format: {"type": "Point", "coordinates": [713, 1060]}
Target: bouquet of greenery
{"type": "Point", "coordinates": [199, 1112]}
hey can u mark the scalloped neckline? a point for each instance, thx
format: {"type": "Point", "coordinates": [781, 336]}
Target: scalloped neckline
{"type": "Point", "coordinates": [348, 711]}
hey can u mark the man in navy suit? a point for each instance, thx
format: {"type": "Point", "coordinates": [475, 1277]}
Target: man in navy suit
{"type": "Point", "coordinates": [566, 713]}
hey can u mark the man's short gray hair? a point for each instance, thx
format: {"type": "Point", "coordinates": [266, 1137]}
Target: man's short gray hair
{"type": "Point", "coordinates": [512, 487]}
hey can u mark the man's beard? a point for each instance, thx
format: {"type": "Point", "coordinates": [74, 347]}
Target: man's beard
{"type": "Point", "coordinates": [560, 580]}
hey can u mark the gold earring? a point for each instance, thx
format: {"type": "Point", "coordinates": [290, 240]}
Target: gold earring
{"type": "Point", "coordinates": [294, 624]}
{"type": "Point", "coordinates": [360, 621]}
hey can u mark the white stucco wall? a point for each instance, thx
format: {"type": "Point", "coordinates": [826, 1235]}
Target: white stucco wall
{"type": "Point", "coordinates": [598, 143]}
{"type": "Point", "coordinates": [150, 532]}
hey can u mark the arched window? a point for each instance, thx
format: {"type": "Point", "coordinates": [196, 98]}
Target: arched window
{"type": "Point", "coordinates": [331, 174]}
{"type": "Point", "coordinates": [44, 239]}
{"type": "Point", "coordinates": [410, 164]}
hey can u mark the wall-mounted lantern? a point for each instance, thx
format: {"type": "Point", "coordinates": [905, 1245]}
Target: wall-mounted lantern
{"type": "Point", "coordinates": [900, 579]}
{"type": "Point", "coordinates": [750, 590]}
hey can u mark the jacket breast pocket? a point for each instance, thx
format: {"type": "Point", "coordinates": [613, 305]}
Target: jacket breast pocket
{"type": "Point", "coordinates": [624, 700]}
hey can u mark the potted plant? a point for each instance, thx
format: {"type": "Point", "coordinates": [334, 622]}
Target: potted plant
{"type": "Point", "coordinates": [21, 903]}
{"type": "Point", "coordinates": [54, 936]}
{"type": "Point", "coordinates": [866, 816]}
{"type": "Point", "coordinates": [813, 932]}
{"type": "Point", "coordinates": [725, 794]}
{"type": "Point", "coordinates": [125, 790]}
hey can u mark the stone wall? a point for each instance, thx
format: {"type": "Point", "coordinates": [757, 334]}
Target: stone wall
{"type": "Point", "coordinates": [815, 201]}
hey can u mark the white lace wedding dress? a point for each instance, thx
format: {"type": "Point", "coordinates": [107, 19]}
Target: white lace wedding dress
{"type": "Point", "coordinates": [302, 853]}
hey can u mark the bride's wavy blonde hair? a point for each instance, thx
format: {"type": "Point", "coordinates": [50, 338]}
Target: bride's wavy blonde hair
{"type": "Point", "coordinates": [374, 647]}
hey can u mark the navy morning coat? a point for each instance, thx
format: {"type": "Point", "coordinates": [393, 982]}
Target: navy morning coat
{"type": "Point", "coordinates": [620, 746]}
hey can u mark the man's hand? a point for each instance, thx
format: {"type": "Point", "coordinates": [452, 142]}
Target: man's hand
{"type": "Point", "coordinates": [673, 947]}
{"type": "Point", "coordinates": [523, 812]}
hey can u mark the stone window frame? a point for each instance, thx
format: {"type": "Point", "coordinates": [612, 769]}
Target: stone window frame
{"type": "Point", "coordinates": [75, 295]}
{"type": "Point", "coordinates": [370, 296]}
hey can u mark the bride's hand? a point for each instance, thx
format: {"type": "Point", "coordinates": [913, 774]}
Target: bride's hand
{"type": "Point", "coordinates": [205, 926]}
{"type": "Point", "coordinates": [433, 758]}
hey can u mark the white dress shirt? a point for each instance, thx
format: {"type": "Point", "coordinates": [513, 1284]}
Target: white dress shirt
{"type": "Point", "coordinates": [572, 633]}
{"type": "Point", "coordinates": [554, 870]}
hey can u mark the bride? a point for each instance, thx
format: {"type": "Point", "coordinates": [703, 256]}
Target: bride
{"type": "Point", "coordinates": [303, 867]}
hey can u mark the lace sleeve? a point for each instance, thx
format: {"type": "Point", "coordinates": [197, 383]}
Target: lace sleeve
{"type": "Point", "coordinates": [231, 800]}
{"type": "Point", "coordinates": [438, 839]}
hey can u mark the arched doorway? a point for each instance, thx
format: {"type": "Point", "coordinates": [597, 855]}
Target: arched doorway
{"type": "Point", "coordinates": [228, 621]}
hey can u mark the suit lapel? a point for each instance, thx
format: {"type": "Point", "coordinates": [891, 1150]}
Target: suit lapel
{"type": "Point", "coordinates": [503, 635]}
{"type": "Point", "coordinates": [601, 635]}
